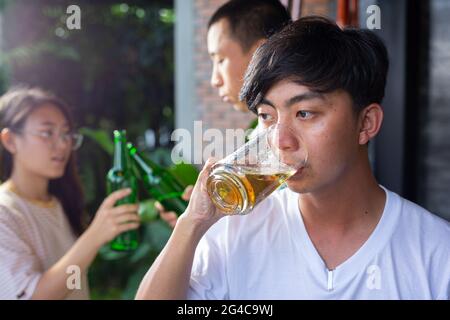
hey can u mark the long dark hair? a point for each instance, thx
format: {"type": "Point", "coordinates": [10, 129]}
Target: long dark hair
{"type": "Point", "coordinates": [15, 107]}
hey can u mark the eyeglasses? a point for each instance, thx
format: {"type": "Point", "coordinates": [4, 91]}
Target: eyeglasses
{"type": "Point", "coordinates": [73, 138]}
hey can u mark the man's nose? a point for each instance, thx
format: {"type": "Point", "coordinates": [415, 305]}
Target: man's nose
{"type": "Point", "coordinates": [286, 139]}
{"type": "Point", "coordinates": [216, 79]}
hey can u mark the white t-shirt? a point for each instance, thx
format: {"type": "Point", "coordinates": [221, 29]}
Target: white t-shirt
{"type": "Point", "coordinates": [32, 239]}
{"type": "Point", "coordinates": [269, 255]}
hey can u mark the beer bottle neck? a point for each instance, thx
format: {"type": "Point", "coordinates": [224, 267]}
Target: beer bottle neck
{"type": "Point", "coordinates": [141, 164]}
{"type": "Point", "coordinates": [120, 159]}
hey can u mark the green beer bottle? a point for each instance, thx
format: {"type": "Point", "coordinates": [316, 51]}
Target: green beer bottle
{"type": "Point", "coordinates": [159, 182]}
{"type": "Point", "coordinates": [120, 177]}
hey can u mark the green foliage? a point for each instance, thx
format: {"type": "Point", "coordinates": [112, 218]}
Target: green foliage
{"type": "Point", "coordinates": [185, 173]}
{"type": "Point", "coordinates": [128, 269]}
{"type": "Point", "coordinates": [101, 137]}
{"type": "Point", "coordinates": [3, 79]}
{"type": "Point", "coordinates": [167, 16]}
{"type": "Point", "coordinates": [253, 124]}
{"type": "Point", "coordinates": [3, 4]}
{"type": "Point", "coordinates": [25, 54]}
{"type": "Point", "coordinates": [116, 72]}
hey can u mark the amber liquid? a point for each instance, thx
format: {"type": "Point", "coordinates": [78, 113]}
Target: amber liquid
{"type": "Point", "coordinates": [237, 190]}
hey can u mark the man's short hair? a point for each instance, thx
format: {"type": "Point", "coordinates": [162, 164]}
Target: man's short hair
{"type": "Point", "coordinates": [313, 51]}
{"type": "Point", "coordinates": [252, 20]}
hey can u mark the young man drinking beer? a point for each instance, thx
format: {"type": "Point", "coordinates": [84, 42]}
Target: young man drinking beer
{"type": "Point", "coordinates": [334, 233]}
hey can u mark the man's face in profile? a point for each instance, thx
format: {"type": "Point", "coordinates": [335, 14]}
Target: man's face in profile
{"type": "Point", "coordinates": [229, 63]}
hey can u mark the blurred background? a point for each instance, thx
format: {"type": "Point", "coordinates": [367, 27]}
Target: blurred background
{"type": "Point", "coordinates": [143, 66]}
{"type": "Point", "coordinates": [116, 72]}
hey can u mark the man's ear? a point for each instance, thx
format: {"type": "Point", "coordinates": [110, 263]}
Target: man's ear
{"type": "Point", "coordinates": [257, 44]}
{"type": "Point", "coordinates": [7, 139]}
{"type": "Point", "coordinates": [370, 119]}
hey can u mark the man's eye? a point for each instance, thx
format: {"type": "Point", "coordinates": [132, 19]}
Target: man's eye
{"type": "Point", "coordinates": [304, 114]}
{"type": "Point", "coordinates": [47, 134]}
{"type": "Point", "coordinates": [265, 116]}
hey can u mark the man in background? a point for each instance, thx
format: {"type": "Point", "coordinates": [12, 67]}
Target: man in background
{"type": "Point", "coordinates": [235, 31]}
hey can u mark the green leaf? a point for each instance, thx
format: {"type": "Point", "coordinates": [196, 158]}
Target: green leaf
{"type": "Point", "coordinates": [156, 233]}
{"type": "Point", "coordinates": [167, 16]}
{"type": "Point", "coordinates": [186, 174]}
{"type": "Point", "coordinates": [101, 137]}
{"type": "Point", "coordinates": [133, 282]}
{"type": "Point", "coordinates": [142, 252]}
{"type": "Point", "coordinates": [253, 124]}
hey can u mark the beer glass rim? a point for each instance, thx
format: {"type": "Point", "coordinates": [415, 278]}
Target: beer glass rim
{"type": "Point", "coordinates": [264, 137]}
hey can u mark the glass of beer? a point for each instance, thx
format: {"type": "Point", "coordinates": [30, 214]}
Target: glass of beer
{"type": "Point", "coordinates": [250, 174]}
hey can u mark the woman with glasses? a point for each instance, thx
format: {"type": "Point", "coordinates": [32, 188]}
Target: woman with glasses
{"type": "Point", "coordinates": [45, 250]}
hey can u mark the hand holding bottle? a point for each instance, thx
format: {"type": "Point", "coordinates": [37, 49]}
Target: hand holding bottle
{"type": "Point", "coordinates": [110, 221]}
{"type": "Point", "coordinates": [170, 216]}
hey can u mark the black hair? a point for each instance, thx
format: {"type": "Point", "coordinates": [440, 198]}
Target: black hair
{"type": "Point", "coordinates": [252, 20]}
{"type": "Point", "coordinates": [313, 51]}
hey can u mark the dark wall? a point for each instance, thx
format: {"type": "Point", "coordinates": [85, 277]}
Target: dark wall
{"type": "Point", "coordinates": [434, 169]}
{"type": "Point", "coordinates": [412, 151]}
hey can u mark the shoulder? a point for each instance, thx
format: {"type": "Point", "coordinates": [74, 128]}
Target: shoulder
{"type": "Point", "coordinates": [11, 207]}
{"type": "Point", "coordinates": [14, 222]}
{"type": "Point", "coordinates": [427, 239]}
{"type": "Point", "coordinates": [17, 214]}
{"type": "Point", "coordinates": [420, 221]}
{"type": "Point", "coordinates": [420, 230]}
